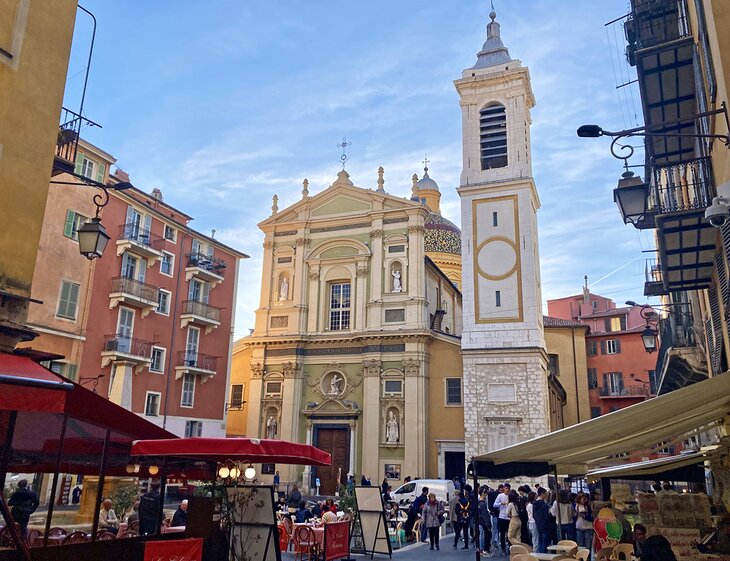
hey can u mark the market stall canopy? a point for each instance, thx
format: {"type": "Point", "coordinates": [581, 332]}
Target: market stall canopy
{"type": "Point", "coordinates": [576, 449]}
{"type": "Point", "coordinates": [252, 450]}
{"type": "Point", "coordinates": [34, 402]}
{"type": "Point", "coordinates": [683, 467]}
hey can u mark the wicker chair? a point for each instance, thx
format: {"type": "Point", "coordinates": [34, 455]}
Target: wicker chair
{"type": "Point", "coordinates": [518, 549]}
{"type": "Point", "coordinates": [524, 557]}
{"type": "Point", "coordinates": [583, 554]}
{"type": "Point", "coordinates": [34, 538]}
{"type": "Point", "coordinates": [76, 537]}
{"type": "Point", "coordinates": [105, 535]}
{"type": "Point", "coordinates": [57, 531]}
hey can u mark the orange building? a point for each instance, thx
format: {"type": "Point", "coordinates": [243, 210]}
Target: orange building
{"type": "Point", "coordinates": [620, 371]}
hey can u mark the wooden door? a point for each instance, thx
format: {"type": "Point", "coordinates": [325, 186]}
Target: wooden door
{"type": "Point", "coordinates": [336, 441]}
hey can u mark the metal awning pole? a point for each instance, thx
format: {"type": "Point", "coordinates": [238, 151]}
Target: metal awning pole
{"type": "Point", "coordinates": [476, 520]}
{"type": "Point", "coordinates": [163, 489]}
{"type": "Point", "coordinates": [100, 486]}
{"type": "Point", "coordinates": [54, 486]}
{"type": "Point", "coordinates": [557, 489]}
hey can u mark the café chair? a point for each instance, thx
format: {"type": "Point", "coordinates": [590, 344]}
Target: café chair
{"type": "Point", "coordinates": [34, 538]}
{"type": "Point", "coordinates": [623, 551]}
{"type": "Point", "coordinates": [304, 542]}
{"type": "Point", "coordinates": [583, 554]}
{"type": "Point", "coordinates": [568, 543]}
{"type": "Point", "coordinates": [129, 534]}
{"type": "Point", "coordinates": [518, 549]}
{"type": "Point", "coordinates": [76, 537]}
{"type": "Point", "coordinates": [105, 535]}
{"type": "Point", "coordinates": [604, 554]}
{"type": "Point", "coordinates": [57, 531]}
{"type": "Point", "coordinates": [524, 557]}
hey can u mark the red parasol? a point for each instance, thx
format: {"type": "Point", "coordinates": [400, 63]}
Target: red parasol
{"type": "Point", "coordinates": [262, 451]}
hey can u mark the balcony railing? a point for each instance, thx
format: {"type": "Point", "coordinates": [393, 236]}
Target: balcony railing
{"type": "Point", "coordinates": [655, 22]}
{"type": "Point", "coordinates": [209, 263]}
{"type": "Point", "coordinates": [196, 360]}
{"type": "Point", "coordinates": [69, 130]}
{"type": "Point", "coordinates": [136, 288]}
{"type": "Point", "coordinates": [127, 345]}
{"type": "Point", "coordinates": [201, 309]}
{"type": "Point", "coordinates": [653, 279]}
{"type": "Point", "coordinates": [627, 391]}
{"type": "Point", "coordinates": [682, 187]}
{"type": "Point", "coordinates": [136, 233]}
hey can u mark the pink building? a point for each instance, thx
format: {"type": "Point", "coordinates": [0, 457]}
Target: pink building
{"type": "Point", "coordinates": [620, 371]}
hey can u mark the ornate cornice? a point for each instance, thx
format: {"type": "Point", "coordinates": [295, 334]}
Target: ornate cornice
{"type": "Point", "coordinates": [416, 229]}
{"type": "Point", "coordinates": [371, 368]}
{"type": "Point", "coordinates": [289, 370]}
{"type": "Point", "coordinates": [411, 366]}
{"type": "Point", "coordinates": [257, 371]}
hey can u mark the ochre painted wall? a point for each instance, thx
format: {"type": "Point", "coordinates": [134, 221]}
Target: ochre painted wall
{"type": "Point", "coordinates": [32, 84]}
{"type": "Point", "coordinates": [445, 422]}
{"type": "Point", "coordinates": [240, 374]}
{"type": "Point", "coordinates": [569, 343]}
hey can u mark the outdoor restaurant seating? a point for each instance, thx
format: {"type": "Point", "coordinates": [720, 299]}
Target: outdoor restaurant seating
{"type": "Point", "coordinates": [568, 543]}
{"type": "Point", "coordinates": [397, 534]}
{"type": "Point", "coordinates": [519, 548]}
{"type": "Point", "coordinates": [604, 554]}
{"type": "Point", "coordinates": [76, 537]}
{"type": "Point", "coordinates": [583, 554]}
{"type": "Point", "coordinates": [102, 535]}
{"type": "Point", "coordinates": [623, 551]}
{"type": "Point", "coordinates": [524, 557]}
{"type": "Point", "coordinates": [305, 542]}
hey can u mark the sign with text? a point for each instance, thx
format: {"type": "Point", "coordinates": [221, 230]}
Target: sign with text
{"type": "Point", "coordinates": [174, 550]}
{"type": "Point", "coordinates": [336, 540]}
{"type": "Point", "coordinates": [681, 539]}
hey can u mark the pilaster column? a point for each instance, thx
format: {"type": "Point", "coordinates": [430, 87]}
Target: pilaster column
{"type": "Point", "coordinates": [415, 418]}
{"type": "Point", "coordinates": [313, 311]}
{"type": "Point", "coordinates": [376, 261]}
{"type": "Point", "coordinates": [300, 280]}
{"type": "Point", "coordinates": [255, 393]}
{"type": "Point", "coordinates": [371, 416]}
{"type": "Point", "coordinates": [360, 296]}
{"type": "Point", "coordinates": [353, 447]}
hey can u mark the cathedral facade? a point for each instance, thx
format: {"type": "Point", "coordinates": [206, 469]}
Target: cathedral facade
{"type": "Point", "coordinates": [356, 346]}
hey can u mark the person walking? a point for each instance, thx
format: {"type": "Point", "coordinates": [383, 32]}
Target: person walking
{"type": "Point", "coordinates": [294, 498]}
{"type": "Point", "coordinates": [584, 523]}
{"type": "Point", "coordinates": [23, 503]}
{"type": "Point", "coordinates": [432, 515]}
{"type": "Point", "coordinates": [515, 524]}
{"type": "Point", "coordinates": [452, 509]}
{"type": "Point", "coordinates": [543, 519]}
{"type": "Point", "coordinates": [277, 481]}
{"type": "Point", "coordinates": [463, 520]}
{"type": "Point", "coordinates": [503, 519]}
{"type": "Point", "coordinates": [485, 524]}
{"type": "Point", "coordinates": [562, 511]}
{"type": "Point", "coordinates": [529, 507]}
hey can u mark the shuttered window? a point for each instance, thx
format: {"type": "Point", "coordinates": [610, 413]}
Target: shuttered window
{"type": "Point", "coordinates": [493, 136]}
{"type": "Point", "coordinates": [68, 300]}
{"type": "Point", "coordinates": [716, 352]}
{"type": "Point", "coordinates": [73, 222]}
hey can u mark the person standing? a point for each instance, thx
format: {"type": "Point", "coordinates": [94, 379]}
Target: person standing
{"type": "Point", "coordinates": [414, 511]}
{"type": "Point", "coordinates": [23, 503]}
{"type": "Point", "coordinates": [562, 511]}
{"type": "Point", "coordinates": [149, 506]}
{"type": "Point", "coordinates": [529, 507]}
{"type": "Point", "coordinates": [541, 514]}
{"type": "Point", "coordinates": [494, 512]}
{"type": "Point", "coordinates": [503, 519]}
{"type": "Point", "coordinates": [584, 522]}
{"type": "Point", "coordinates": [452, 509]}
{"type": "Point", "coordinates": [294, 498]}
{"type": "Point", "coordinates": [431, 516]}
{"type": "Point", "coordinates": [277, 480]}
{"type": "Point", "coordinates": [384, 486]}
{"type": "Point", "coordinates": [485, 525]}
{"type": "Point", "coordinates": [463, 519]}
{"type": "Point", "coordinates": [514, 529]}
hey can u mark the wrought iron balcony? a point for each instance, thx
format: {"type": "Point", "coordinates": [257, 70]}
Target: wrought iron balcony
{"type": "Point", "coordinates": [206, 267]}
{"type": "Point", "coordinates": [655, 22]}
{"type": "Point", "coordinates": [200, 313]}
{"type": "Point", "coordinates": [191, 362]}
{"type": "Point", "coordinates": [626, 391]}
{"type": "Point", "coordinates": [681, 187]}
{"type": "Point", "coordinates": [653, 279]}
{"type": "Point", "coordinates": [120, 348]}
{"type": "Point", "coordinates": [135, 293]}
{"type": "Point", "coordinates": [67, 142]}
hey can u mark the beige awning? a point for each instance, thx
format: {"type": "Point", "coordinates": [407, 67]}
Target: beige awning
{"type": "Point", "coordinates": [649, 467]}
{"type": "Point", "coordinates": [576, 449]}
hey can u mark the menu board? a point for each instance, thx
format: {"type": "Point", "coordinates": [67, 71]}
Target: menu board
{"type": "Point", "coordinates": [682, 540]}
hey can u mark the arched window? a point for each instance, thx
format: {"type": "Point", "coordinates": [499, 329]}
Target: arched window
{"type": "Point", "coordinates": [493, 136]}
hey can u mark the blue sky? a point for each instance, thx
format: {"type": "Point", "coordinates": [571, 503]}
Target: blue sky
{"type": "Point", "coordinates": [223, 107]}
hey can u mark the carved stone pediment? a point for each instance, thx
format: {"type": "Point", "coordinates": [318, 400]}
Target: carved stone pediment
{"type": "Point", "coordinates": [332, 408]}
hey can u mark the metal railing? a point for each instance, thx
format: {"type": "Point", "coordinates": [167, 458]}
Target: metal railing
{"type": "Point", "coordinates": [201, 309]}
{"type": "Point", "coordinates": [626, 391]}
{"type": "Point", "coordinates": [136, 233]}
{"type": "Point", "coordinates": [127, 345]}
{"type": "Point", "coordinates": [655, 22]}
{"type": "Point", "coordinates": [653, 278]}
{"type": "Point", "coordinates": [208, 262]}
{"type": "Point", "coordinates": [197, 360]}
{"type": "Point", "coordinates": [681, 187]}
{"type": "Point", "coordinates": [69, 131]}
{"type": "Point", "coordinates": [135, 288]}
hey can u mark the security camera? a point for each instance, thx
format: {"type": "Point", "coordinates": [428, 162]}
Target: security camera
{"type": "Point", "coordinates": [718, 213]}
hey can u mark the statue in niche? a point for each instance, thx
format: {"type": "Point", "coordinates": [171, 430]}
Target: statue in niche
{"type": "Point", "coordinates": [397, 286]}
{"type": "Point", "coordinates": [284, 289]}
{"type": "Point", "coordinates": [392, 433]}
{"type": "Point", "coordinates": [335, 386]}
{"type": "Point", "coordinates": [271, 426]}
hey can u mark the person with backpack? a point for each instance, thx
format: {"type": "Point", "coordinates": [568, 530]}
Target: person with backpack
{"type": "Point", "coordinates": [485, 525]}
{"type": "Point", "coordinates": [23, 503]}
{"type": "Point", "coordinates": [463, 520]}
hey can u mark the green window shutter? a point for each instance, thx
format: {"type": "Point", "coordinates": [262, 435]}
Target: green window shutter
{"type": "Point", "coordinates": [73, 299]}
{"type": "Point", "coordinates": [68, 227]}
{"type": "Point", "coordinates": [79, 161]}
{"type": "Point", "coordinates": [100, 173]}
{"type": "Point", "coordinates": [618, 346]}
{"type": "Point", "coordinates": [603, 347]}
{"type": "Point", "coordinates": [63, 300]}
{"type": "Point", "coordinates": [72, 371]}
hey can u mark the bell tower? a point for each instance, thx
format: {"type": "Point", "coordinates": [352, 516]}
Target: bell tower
{"type": "Point", "coordinates": [506, 397]}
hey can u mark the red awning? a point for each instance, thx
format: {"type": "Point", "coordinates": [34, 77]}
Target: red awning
{"type": "Point", "coordinates": [25, 385]}
{"type": "Point", "coordinates": [254, 450]}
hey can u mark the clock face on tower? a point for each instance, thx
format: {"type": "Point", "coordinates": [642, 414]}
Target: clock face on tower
{"type": "Point", "coordinates": [497, 267]}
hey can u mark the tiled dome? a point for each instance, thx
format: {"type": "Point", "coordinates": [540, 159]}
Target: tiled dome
{"type": "Point", "coordinates": [442, 236]}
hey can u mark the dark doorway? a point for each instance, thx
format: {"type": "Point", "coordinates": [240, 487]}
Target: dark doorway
{"type": "Point", "coordinates": [336, 441]}
{"type": "Point", "coordinates": [454, 465]}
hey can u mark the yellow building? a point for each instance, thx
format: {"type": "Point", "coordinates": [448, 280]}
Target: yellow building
{"type": "Point", "coordinates": [356, 347]}
{"type": "Point", "coordinates": [35, 43]}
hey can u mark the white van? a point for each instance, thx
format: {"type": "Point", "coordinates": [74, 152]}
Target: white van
{"type": "Point", "coordinates": [407, 493]}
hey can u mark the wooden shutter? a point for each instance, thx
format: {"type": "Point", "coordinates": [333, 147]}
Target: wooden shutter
{"type": "Point", "coordinates": [618, 345]}
{"type": "Point", "coordinates": [68, 227]}
{"type": "Point", "coordinates": [603, 347]}
{"type": "Point", "coordinates": [63, 299]}
{"type": "Point", "coordinates": [78, 163]}
{"type": "Point", "coordinates": [100, 172]}
{"type": "Point", "coordinates": [716, 354]}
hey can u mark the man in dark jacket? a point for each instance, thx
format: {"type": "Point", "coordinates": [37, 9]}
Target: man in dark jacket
{"type": "Point", "coordinates": [149, 505]}
{"type": "Point", "coordinates": [414, 511]}
{"type": "Point", "coordinates": [463, 520]}
{"type": "Point", "coordinates": [542, 516]}
{"type": "Point", "coordinates": [491, 497]}
{"type": "Point", "coordinates": [485, 525]}
{"type": "Point", "coordinates": [23, 502]}
{"type": "Point", "coordinates": [180, 518]}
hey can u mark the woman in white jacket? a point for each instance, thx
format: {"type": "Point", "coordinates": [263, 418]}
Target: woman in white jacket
{"type": "Point", "coordinates": [564, 513]}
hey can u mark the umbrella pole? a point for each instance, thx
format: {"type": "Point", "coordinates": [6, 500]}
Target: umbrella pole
{"type": "Point", "coordinates": [54, 486]}
{"type": "Point", "coordinates": [477, 527]}
{"type": "Point", "coordinates": [100, 486]}
{"type": "Point", "coordinates": [557, 489]}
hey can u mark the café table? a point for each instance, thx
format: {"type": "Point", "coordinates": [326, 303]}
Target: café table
{"type": "Point", "coordinates": [562, 548]}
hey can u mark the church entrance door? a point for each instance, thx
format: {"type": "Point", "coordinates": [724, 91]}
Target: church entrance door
{"type": "Point", "coordinates": [454, 464]}
{"type": "Point", "coordinates": [336, 441]}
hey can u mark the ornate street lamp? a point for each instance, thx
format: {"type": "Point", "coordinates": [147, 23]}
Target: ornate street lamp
{"type": "Point", "coordinates": [631, 196]}
{"type": "Point", "coordinates": [648, 337]}
{"type": "Point", "coordinates": [92, 238]}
